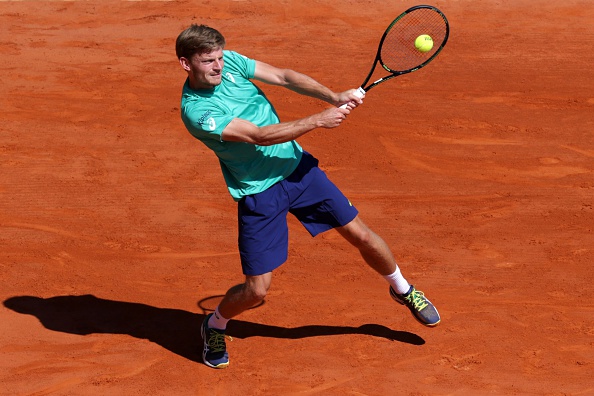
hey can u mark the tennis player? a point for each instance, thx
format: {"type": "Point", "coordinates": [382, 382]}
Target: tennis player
{"type": "Point", "coordinates": [269, 175]}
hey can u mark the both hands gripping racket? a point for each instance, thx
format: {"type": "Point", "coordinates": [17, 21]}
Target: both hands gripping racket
{"type": "Point", "coordinates": [397, 53]}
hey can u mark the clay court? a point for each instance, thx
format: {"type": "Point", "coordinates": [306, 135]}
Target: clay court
{"type": "Point", "coordinates": [118, 235]}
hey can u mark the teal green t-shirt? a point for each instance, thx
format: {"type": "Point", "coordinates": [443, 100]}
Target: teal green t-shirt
{"type": "Point", "coordinates": [247, 168]}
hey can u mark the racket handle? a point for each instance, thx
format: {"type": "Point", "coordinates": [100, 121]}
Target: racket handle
{"type": "Point", "coordinates": [360, 92]}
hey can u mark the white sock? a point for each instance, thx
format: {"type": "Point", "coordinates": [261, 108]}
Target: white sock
{"type": "Point", "coordinates": [217, 321]}
{"type": "Point", "coordinates": [397, 281]}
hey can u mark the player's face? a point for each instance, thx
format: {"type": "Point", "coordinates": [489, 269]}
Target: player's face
{"type": "Point", "coordinates": [206, 69]}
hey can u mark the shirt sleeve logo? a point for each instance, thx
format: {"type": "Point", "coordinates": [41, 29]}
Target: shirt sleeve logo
{"type": "Point", "coordinates": [212, 125]}
{"type": "Point", "coordinates": [206, 122]}
{"type": "Point", "coordinates": [203, 117]}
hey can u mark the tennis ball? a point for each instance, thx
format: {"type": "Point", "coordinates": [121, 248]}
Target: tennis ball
{"type": "Point", "coordinates": [424, 43]}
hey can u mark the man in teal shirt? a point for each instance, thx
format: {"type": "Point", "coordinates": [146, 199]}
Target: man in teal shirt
{"type": "Point", "coordinates": [269, 175]}
{"type": "Point", "coordinates": [247, 168]}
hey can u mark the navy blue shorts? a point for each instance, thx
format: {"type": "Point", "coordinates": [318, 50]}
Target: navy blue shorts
{"type": "Point", "coordinates": [309, 195]}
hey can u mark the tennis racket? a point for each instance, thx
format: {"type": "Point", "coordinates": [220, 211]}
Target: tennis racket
{"type": "Point", "coordinates": [397, 53]}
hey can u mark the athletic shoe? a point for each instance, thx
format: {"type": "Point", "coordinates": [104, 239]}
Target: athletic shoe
{"type": "Point", "coordinates": [419, 305]}
{"type": "Point", "coordinates": [214, 353]}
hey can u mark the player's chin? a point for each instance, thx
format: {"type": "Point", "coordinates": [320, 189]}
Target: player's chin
{"type": "Point", "coordinates": [216, 79]}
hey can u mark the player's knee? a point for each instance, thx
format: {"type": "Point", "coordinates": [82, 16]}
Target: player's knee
{"type": "Point", "coordinates": [360, 235]}
{"type": "Point", "coordinates": [356, 232]}
{"type": "Point", "coordinates": [365, 237]}
{"type": "Point", "coordinates": [256, 291]}
{"type": "Point", "coordinates": [257, 294]}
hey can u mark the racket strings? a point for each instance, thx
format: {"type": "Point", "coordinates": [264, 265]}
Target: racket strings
{"type": "Point", "coordinates": [398, 51]}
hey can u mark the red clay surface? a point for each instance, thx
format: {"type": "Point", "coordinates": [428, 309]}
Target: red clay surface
{"type": "Point", "coordinates": [118, 234]}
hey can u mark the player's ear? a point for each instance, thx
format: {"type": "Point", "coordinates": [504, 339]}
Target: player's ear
{"type": "Point", "coordinates": [185, 63]}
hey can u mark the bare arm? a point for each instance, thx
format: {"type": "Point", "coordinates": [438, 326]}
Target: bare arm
{"type": "Point", "coordinates": [303, 84]}
{"type": "Point", "coordinates": [240, 130]}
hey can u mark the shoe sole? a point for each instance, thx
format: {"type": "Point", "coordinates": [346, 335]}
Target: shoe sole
{"type": "Point", "coordinates": [206, 362]}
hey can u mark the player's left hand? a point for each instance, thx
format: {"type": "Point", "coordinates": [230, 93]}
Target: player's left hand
{"type": "Point", "coordinates": [350, 98]}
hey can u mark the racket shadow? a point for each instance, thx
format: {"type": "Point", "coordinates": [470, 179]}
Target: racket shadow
{"type": "Point", "coordinates": [173, 329]}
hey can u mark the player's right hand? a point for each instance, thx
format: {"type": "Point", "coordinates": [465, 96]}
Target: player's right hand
{"type": "Point", "coordinates": [333, 117]}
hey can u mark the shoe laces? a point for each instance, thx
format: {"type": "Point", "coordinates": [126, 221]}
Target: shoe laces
{"type": "Point", "coordinates": [417, 299]}
{"type": "Point", "coordinates": [216, 341]}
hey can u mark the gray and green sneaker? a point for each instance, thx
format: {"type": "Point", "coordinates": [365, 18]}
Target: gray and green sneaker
{"type": "Point", "coordinates": [422, 309]}
{"type": "Point", "coordinates": [214, 353]}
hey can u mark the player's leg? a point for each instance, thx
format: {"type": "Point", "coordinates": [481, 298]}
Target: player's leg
{"type": "Point", "coordinates": [320, 205]}
{"type": "Point", "coordinates": [374, 250]}
{"type": "Point", "coordinates": [237, 299]}
{"type": "Point", "coordinates": [244, 296]}
{"type": "Point", "coordinates": [378, 256]}
{"type": "Point", "coordinates": [263, 246]}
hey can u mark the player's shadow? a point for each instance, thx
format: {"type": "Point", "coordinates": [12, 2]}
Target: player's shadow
{"type": "Point", "coordinates": [174, 329]}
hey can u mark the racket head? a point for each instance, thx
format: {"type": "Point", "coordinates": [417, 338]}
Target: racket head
{"type": "Point", "coordinates": [397, 52]}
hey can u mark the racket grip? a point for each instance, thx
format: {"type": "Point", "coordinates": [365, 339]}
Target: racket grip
{"type": "Point", "coordinates": [360, 92]}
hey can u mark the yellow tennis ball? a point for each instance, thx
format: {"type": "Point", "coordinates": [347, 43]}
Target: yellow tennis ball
{"type": "Point", "coordinates": [424, 43]}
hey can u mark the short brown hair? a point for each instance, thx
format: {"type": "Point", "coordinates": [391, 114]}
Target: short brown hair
{"type": "Point", "coordinates": [198, 39]}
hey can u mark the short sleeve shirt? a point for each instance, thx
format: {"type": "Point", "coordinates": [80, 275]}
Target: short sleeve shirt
{"type": "Point", "coordinates": [247, 168]}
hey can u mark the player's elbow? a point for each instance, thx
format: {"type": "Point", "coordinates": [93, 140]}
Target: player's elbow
{"type": "Point", "coordinates": [285, 77]}
{"type": "Point", "coordinates": [261, 140]}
